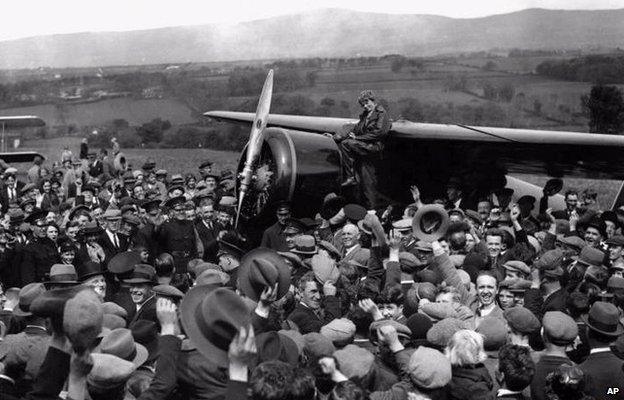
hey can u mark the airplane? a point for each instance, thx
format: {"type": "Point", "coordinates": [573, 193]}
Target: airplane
{"type": "Point", "coordinates": [299, 164]}
{"type": "Point", "coordinates": [19, 121]}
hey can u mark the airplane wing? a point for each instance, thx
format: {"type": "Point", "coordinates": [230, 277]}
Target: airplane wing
{"type": "Point", "coordinates": [19, 156]}
{"type": "Point", "coordinates": [20, 121]}
{"type": "Point", "coordinates": [555, 153]}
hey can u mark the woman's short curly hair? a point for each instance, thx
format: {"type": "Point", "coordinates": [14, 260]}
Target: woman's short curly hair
{"type": "Point", "coordinates": [466, 348]}
{"type": "Point", "coordinates": [366, 95]}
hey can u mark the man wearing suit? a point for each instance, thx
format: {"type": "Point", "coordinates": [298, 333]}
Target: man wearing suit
{"type": "Point", "coordinates": [602, 366]}
{"type": "Point", "coordinates": [313, 312]}
{"type": "Point", "coordinates": [208, 233]}
{"type": "Point", "coordinates": [571, 200]}
{"type": "Point", "coordinates": [352, 251]}
{"type": "Point", "coordinates": [273, 237]}
{"type": "Point", "coordinates": [111, 242]}
{"type": "Point", "coordinates": [10, 191]}
{"type": "Point", "coordinates": [141, 282]}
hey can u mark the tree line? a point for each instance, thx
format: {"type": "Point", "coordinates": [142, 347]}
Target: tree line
{"type": "Point", "coordinates": [602, 69]}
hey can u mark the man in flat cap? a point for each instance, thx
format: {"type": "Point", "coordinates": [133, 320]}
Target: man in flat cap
{"type": "Point", "coordinates": [559, 331]}
{"type": "Point", "coordinates": [363, 145]}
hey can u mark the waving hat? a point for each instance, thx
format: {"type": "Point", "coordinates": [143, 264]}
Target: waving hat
{"type": "Point", "coordinates": [260, 268]}
{"type": "Point", "coordinates": [430, 222]}
{"type": "Point", "coordinates": [211, 317]}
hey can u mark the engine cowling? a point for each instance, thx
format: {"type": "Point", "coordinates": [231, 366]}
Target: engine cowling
{"type": "Point", "coordinates": [296, 166]}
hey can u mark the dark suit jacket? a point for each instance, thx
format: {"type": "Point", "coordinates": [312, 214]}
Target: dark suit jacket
{"type": "Point", "coordinates": [273, 238]}
{"type": "Point", "coordinates": [52, 375]}
{"type": "Point", "coordinates": [605, 371]}
{"type": "Point", "coordinates": [147, 312]}
{"type": "Point", "coordinates": [534, 301]}
{"type": "Point", "coordinates": [164, 381]}
{"type": "Point", "coordinates": [208, 238]}
{"type": "Point", "coordinates": [38, 257]}
{"type": "Point", "coordinates": [111, 250]}
{"type": "Point", "coordinates": [4, 195]}
{"type": "Point", "coordinates": [8, 391]}
{"type": "Point", "coordinates": [308, 321]}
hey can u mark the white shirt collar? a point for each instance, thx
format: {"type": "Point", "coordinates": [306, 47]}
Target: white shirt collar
{"type": "Point", "coordinates": [599, 350]}
{"type": "Point", "coordinates": [504, 392]}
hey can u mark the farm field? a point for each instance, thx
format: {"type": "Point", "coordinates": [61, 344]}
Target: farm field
{"type": "Point", "coordinates": [173, 160]}
{"type": "Point", "coordinates": [136, 112]}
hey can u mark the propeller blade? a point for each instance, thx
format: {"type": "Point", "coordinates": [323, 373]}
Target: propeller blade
{"type": "Point", "coordinates": [256, 138]}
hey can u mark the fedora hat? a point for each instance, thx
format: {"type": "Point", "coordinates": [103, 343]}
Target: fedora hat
{"type": "Point", "coordinates": [275, 346]}
{"type": "Point", "coordinates": [293, 259]}
{"type": "Point", "coordinates": [120, 342]}
{"type": "Point", "coordinates": [430, 222]}
{"type": "Point", "coordinates": [263, 267]}
{"type": "Point", "coordinates": [553, 186]}
{"type": "Point", "coordinates": [305, 244]}
{"type": "Point", "coordinates": [212, 277]}
{"type": "Point", "coordinates": [62, 274]}
{"type": "Point", "coordinates": [51, 303]}
{"type": "Point", "coordinates": [211, 317]}
{"type": "Point", "coordinates": [89, 269]}
{"type": "Point", "coordinates": [142, 273]}
{"type": "Point", "coordinates": [604, 318]}
{"type": "Point", "coordinates": [27, 296]}
{"type": "Point", "coordinates": [325, 268]}
{"type": "Point", "coordinates": [332, 205]}
{"type": "Point", "coordinates": [124, 262]}
{"type": "Point", "coordinates": [92, 228]}
{"type": "Point", "coordinates": [364, 227]}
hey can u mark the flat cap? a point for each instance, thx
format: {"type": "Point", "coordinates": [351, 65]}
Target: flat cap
{"type": "Point", "coordinates": [441, 333]}
{"type": "Point", "coordinates": [615, 283]}
{"type": "Point", "coordinates": [401, 329]}
{"type": "Point", "coordinates": [573, 241]}
{"type": "Point", "coordinates": [168, 291]}
{"type": "Point", "coordinates": [550, 260]}
{"type": "Point", "coordinates": [519, 266]}
{"type": "Point", "coordinates": [339, 330]}
{"type": "Point", "coordinates": [520, 319]}
{"type": "Point", "coordinates": [616, 240]}
{"type": "Point", "coordinates": [494, 331]}
{"type": "Point", "coordinates": [404, 224]}
{"type": "Point", "coordinates": [559, 328]}
{"type": "Point", "coordinates": [112, 214]}
{"type": "Point", "coordinates": [354, 361]}
{"type": "Point", "coordinates": [205, 163]}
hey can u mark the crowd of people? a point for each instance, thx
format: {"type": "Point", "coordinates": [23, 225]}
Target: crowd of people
{"type": "Point", "coordinates": [119, 284]}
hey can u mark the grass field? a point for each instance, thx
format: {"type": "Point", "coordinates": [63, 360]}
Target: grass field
{"type": "Point", "coordinates": [173, 160]}
{"type": "Point", "coordinates": [136, 112]}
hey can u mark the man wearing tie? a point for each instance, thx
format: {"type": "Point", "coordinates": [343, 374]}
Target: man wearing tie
{"type": "Point", "coordinates": [111, 242]}
{"type": "Point", "coordinates": [208, 233]}
{"type": "Point", "coordinates": [10, 191]}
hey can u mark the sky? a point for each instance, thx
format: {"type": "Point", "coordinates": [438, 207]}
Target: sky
{"type": "Point", "coordinates": [25, 18]}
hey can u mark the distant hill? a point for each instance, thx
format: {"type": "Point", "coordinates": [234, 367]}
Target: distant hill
{"type": "Point", "coordinates": [322, 33]}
